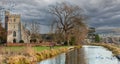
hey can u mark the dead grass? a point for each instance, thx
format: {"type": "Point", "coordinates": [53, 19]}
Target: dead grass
{"type": "Point", "coordinates": [27, 55]}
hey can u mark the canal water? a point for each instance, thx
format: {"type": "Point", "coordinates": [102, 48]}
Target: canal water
{"type": "Point", "coordinates": [92, 55]}
{"type": "Point", "coordinates": [60, 59]}
{"type": "Point", "coordinates": [99, 55]}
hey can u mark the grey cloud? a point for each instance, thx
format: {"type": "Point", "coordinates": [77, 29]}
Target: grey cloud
{"type": "Point", "coordinates": [101, 13]}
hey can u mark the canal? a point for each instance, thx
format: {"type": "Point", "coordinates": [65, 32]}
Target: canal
{"type": "Point", "coordinates": [92, 55]}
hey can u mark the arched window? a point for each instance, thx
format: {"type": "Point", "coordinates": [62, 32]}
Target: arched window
{"type": "Point", "coordinates": [14, 20]}
{"type": "Point", "coordinates": [14, 34]}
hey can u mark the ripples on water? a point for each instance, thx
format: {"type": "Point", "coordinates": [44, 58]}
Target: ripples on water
{"type": "Point", "coordinates": [99, 55]}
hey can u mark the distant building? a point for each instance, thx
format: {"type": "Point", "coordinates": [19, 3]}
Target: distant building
{"type": "Point", "coordinates": [91, 34]}
{"type": "Point", "coordinates": [90, 38]}
{"type": "Point", "coordinates": [110, 37]}
{"type": "Point", "coordinates": [15, 30]}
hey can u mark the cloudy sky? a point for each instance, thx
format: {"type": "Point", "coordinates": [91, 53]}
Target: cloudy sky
{"type": "Point", "coordinates": [102, 14]}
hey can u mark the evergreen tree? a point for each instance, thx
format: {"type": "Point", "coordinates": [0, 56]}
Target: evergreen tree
{"type": "Point", "coordinates": [97, 38]}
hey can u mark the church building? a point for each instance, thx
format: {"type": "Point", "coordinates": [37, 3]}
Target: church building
{"type": "Point", "coordinates": [15, 30]}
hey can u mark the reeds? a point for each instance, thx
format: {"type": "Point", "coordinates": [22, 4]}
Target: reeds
{"type": "Point", "coordinates": [27, 55]}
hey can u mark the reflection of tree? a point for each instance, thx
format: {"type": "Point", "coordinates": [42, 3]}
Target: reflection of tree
{"type": "Point", "coordinates": [58, 60]}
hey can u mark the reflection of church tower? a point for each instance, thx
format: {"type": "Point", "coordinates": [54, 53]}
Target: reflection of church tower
{"type": "Point", "coordinates": [13, 27]}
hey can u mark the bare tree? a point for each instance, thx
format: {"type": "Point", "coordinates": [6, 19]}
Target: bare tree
{"type": "Point", "coordinates": [34, 29]}
{"type": "Point", "coordinates": [68, 19]}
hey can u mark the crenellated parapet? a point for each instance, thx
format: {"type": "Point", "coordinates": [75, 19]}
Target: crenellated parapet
{"type": "Point", "coordinates": [8, 14]}
{"type": "Point", "coordinates": [14, 16]}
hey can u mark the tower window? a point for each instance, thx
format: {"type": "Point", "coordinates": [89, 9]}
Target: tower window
{"type": "Point", "coordinates": [14, 34]}
{"type": "Point", "coordinates": [14, 26]}
{"type": "Point", "coordinates": [14, 20]}
{"type": "Point", "coordinates": [6, 19]}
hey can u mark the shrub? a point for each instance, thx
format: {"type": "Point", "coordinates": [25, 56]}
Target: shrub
{"type": "Point", "coordinates": [33, 40]}
{"type": "Point", "coordinates": [14, 40]}
{"type": "Point", "coordinates": [21, 41]}
{"type": "Point", "coordinates": [72, 41]}
{"type": "Point", "coordinates": [97, 38]}
{"type": "Point", "coordinates": [65, 43]}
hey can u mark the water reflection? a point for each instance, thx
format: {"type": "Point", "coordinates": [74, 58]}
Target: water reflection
{"type": "Point", "coordinates": [60, 59]}
{"type": "Point", "coordinates": [92, 54]}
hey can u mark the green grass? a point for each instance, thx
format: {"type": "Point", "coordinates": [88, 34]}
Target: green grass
{"type": "Point", "coordinates": [37, 48]}
{"type": "Point", "coordinates": [41, 48]}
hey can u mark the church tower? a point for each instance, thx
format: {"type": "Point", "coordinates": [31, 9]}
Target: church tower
{"type": "Point", "coordinates": [13, 27]}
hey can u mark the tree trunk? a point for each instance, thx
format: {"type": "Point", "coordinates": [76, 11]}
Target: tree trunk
{"type": "Point", "coordinates": [68, 42]}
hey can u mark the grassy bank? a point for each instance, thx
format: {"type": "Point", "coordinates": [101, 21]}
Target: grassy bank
{"type": "Point", "coordinates": [28, 55]}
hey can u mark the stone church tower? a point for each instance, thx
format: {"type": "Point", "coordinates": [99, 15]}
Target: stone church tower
{"type": "Point", "coordinates": [14, 28]}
